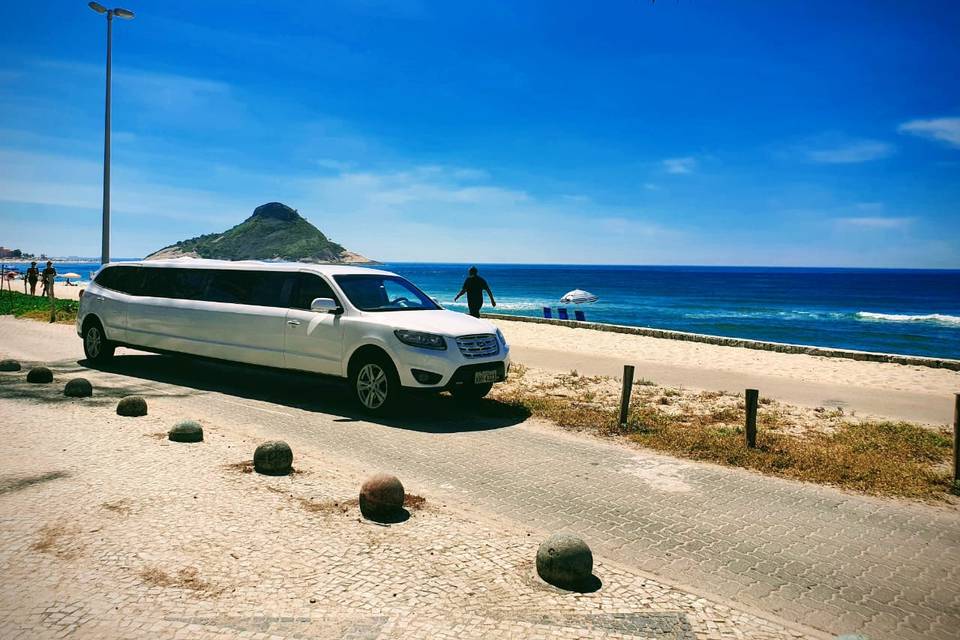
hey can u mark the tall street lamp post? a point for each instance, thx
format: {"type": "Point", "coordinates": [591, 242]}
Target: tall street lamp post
{"type": "Point", "coordinates": [126, 15]}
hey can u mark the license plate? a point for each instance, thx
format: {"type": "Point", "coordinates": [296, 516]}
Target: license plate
{"type": "Point", "coordinates": [483, 377]}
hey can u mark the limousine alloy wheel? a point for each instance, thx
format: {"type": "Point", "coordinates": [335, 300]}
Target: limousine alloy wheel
{"type": "Point", "coordinates": [96, 347]}
{"type": "Point", "coordinates": [376, 385]}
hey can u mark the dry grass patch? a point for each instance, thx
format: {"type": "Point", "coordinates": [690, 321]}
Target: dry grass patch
{"type": "Point", "coordinates": [186, 578]}
{"type": "Point", "coordinates": [814, 445]}
{"type": "Point", "coordinates": [118, 506]}
{"type": "Point", "coordinates": [55, 539]}
{"type": "Point", "coordinates": [62, 316]}
{"type": "Point", "coordinates": [328, 506]}
{"type": "Point", "coordinates": [414, 502]}
{"type": "Point", "coordinates": [243, 467]}
{"type": "Point", "coordinates": [247, 467]}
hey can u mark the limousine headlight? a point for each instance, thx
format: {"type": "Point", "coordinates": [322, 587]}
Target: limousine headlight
{"type": "Point", "coordinates": [420, 339]}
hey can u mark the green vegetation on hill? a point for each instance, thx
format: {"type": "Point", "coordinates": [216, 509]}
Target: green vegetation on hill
{"type": "Point", "coordinates": [274, 231]}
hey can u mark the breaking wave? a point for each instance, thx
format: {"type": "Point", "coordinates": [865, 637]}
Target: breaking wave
{"type": "Point", "coordinates": [937, 318]}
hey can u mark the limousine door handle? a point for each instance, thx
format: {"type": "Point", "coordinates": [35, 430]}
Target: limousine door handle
{"type": "Point", "coordinates": [294, 323]}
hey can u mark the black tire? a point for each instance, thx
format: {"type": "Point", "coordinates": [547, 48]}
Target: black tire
{"type": "Point", "coordinates": [375, 385]}
{"type": "Point", "coordinates": [96, 347]}
{"type": "Point", "coordinates": [471, 392]}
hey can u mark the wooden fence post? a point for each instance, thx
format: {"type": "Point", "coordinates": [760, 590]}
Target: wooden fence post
{"type": "Point", "coordinates": [53, 302]}
{"type": "Point", "coordinates": [751, 398]}
{"type": "Point", "coordinates": [625, 394]}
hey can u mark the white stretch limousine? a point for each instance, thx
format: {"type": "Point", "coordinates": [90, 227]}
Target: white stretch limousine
{"type": "Point", "coordinates": [370, 326]}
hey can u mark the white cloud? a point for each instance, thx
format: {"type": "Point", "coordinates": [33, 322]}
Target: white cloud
{"type": "Point", "coordinates": [874, 222]}
{"type": "Point", "coordinates": [397, 214]}
{"type": "Point", "coordinates": [943, 129]}
{"type": "Point", "coordinates": [851, 152]}
{"type": "Point", "coordinates": [680, 165]}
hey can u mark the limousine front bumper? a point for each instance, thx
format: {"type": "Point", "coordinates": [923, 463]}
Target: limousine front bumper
{"type": "Point", "coordinates": [449, 368]}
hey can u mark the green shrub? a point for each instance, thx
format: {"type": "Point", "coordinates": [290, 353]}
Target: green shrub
{"type": "Point", "coordinates": [37, 307]}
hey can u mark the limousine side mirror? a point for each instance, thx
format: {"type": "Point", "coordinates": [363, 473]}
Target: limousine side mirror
{"type": "Point", "coordinates": [325, 305]}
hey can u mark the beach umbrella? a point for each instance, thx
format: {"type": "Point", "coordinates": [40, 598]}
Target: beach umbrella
{"type": "Point", "coordinates": [578, 296]}
{"type": "Point", "coordinates": [67, 276]}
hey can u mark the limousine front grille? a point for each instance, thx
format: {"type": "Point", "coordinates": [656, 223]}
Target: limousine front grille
{"type": "Point", "coordinates": [479, 346]}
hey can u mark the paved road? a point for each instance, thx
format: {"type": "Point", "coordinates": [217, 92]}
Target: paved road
{"type": "Point", "coordinates": [819, 557]}
{"type": "Point", "coordinates": [897, 405]}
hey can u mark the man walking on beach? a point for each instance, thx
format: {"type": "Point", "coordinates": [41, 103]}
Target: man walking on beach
{"type": "Point", "coordinates": [33, 274]}
{"type": "Point", "coordinates": [474, 286]}
{"type": "Point", "coordinates": [48, 276]}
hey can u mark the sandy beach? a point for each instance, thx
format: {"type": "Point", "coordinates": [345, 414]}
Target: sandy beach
{"type": "Point", "coordinates": [61, 290]}
{"type": "Point", "coordinates": [571, 345]}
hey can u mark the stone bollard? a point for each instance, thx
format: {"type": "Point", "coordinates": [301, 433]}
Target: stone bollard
{"type": "Point", "coordinates": [132, 407]}
{"type": "Point", "coordinates": [565, 561]}
{"type": "Point", "coordinates": [273, 458]}
{"type": "Point", "coordinates": [78, 388]}
{"type": "Point", "coordinates": [40, 375]}
{"type": "Point", "coordinates": [9, 365]}
{"type": "Point", "coordinates": [186, 431]}
{"type": "Point", "coordinates": [381, 497]}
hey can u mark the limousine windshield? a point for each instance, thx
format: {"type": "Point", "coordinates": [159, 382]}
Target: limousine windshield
{"type": "Point", "coordinates": [384, 293]}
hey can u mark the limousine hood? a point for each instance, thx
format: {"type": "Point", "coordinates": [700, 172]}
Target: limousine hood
{"type": "Point", "coordinates": [443, 322]}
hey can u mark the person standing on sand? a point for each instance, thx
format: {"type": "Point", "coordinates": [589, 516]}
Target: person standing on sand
{"type": "Point", "coordinates": [474, 286]}
{"type": "Point", "coordinates": [33, 274]}
{"type": "Point", "coordinates": [48, 276]}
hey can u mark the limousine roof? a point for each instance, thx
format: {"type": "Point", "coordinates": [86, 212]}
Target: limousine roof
{"type": "Point", "coordinates": [258, 265]}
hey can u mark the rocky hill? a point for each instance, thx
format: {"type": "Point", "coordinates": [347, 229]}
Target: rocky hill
{"type": "Point", "coordinates": [273, 232]}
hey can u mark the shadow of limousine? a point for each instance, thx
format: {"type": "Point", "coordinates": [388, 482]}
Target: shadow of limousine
{"type": "Point", "coordinates": [425, 412]}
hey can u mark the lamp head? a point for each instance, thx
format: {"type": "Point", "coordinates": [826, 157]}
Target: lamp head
{"type": "Point", "coordinates": [123, 13]}
{"type": "Point", "coordinates": [99, 8]}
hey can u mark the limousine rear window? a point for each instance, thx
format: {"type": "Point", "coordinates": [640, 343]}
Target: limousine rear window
{"type": "Point", "coordinates": [384, 293]}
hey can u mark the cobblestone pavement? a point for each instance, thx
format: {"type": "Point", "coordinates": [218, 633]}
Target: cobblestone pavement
{"type": "Point", "coordinates": [813, 555]}
{"type": "Point", "coordinates": [108, 530]}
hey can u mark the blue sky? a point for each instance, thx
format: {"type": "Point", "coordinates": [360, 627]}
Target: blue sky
{"type": "Point", "coordinates": [815, 133]}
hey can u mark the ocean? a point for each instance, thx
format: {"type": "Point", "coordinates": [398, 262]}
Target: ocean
{"type": "Point", "coordinates": [907, 311]}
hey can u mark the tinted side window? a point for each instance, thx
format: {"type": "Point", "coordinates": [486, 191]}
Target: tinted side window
{"type": "Point", "coordinates": [122, 279]}
{"type": "Point", "coordinates": [229, 286]}
{"type": "Point", "coordinates": [270, 288]}
{"type": "Point", "coordinates": [108, 278]}
{"type": "Point", "coordinates": [310, 286]}
{"type": "Point", "coordinates": [183, 284]}
{"type": "Point", "coordinates": [129, 280]}
{"type": "Point", "coordinates": [261, 288]}
{"type": "Point", "coordinates": [157, 283]}
{"type": "Point", "coordinates": [189, 284]}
